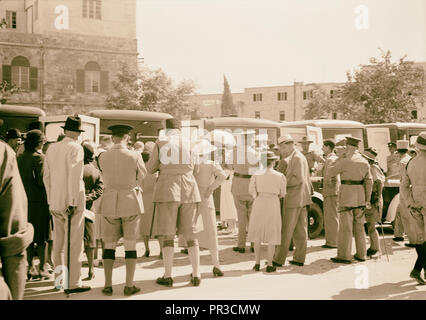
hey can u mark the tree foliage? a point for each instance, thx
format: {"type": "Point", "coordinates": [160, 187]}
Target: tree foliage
{"type": "Point", "coordinates": [382, 91]}
{"type": "Point", "coordinates": [227, 106]}
{"type": "Point", "coordinates": [150, 90]}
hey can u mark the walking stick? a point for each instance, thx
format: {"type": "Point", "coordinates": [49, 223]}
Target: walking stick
{"type": "Point", "coordinates": [69, 212]}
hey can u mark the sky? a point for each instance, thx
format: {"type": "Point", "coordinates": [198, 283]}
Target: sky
{"type": "Point", "coordinates": [258, 43]}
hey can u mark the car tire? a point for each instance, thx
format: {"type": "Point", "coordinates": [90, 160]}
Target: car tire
{"type": "Point", "coordinates": [315, 221]}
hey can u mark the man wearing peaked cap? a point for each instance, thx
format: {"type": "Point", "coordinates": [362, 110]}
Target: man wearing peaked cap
{"type": "Point", "coordinates": [403, 218]}
{"type": "Point", "coordinates": [354, 197]}
{"type": "Point", "coordinates": [63, 179]}
{"type": "Point", "coordinates": [121, 207]}
{"type": "Point", "coordinates": [413, 191]}
{"type": "Point", "coordinates": [392, 161]}
{"type": "Point", "coordinates": [120, 129]}
{"type": "Point", "coordinates": [373, 215]}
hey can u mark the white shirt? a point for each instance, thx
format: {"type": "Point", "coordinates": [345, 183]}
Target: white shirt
{"type": "Point", "coordinates": [63, 175]}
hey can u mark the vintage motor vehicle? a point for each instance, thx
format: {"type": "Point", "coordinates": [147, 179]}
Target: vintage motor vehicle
{"type": "Point", "coordinates": [147, 125]}
{"type": "Point", "coordinates": [18, 117]}
{"type": "Point", "coordinates": [317, 131]}
{"type": "Point", "coordinates": [378, 136]}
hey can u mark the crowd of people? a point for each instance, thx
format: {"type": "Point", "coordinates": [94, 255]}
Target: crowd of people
{"type": "Point", "coordinates": [61, 199]}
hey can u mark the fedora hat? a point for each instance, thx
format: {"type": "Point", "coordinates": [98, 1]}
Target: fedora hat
{"type": "Point", "coordinates": [421, 141]}
{"type": "Point", "coordinates": [370, 154]}
{"type": "Point", "coordinates": [285, 139]}
{"type": "Point", "coordinates": [13, 134]}
{"type": "Point", "coordinates": [73, 123]}
{"type": "Point", "coordinates": [402, 145]}
{"type": "Point", "coordinates": [305, 139]}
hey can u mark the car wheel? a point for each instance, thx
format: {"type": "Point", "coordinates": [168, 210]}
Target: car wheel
{"type": "Point", "coordinates": [315, 221]}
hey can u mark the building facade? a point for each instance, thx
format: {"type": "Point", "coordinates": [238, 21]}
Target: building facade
{"type": "Point", "coordinates": [278, 103]}
{"type": "Point", "coordinates": [284, 103]}
{"type": "Point", "coordinates": [64, 54]}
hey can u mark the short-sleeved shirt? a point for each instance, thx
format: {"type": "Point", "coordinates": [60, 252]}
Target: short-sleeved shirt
{"type": "Point", "coordinates": [271, 181]}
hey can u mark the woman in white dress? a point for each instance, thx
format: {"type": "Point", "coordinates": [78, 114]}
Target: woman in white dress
{"type": "Point", "coordinates": [265, 219]}
{"type": "Point", "coordinates": [228, 212]}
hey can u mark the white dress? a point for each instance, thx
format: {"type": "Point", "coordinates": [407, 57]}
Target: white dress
{"type": "Point", "coordinates": [265, 218]}
{"type": "Point", "coordinates": [227, 204]}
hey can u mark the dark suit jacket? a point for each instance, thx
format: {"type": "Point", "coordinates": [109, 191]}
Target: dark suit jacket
{"type": "Point", "coordinates": [30, 165]}
{"type": "Point", "coordinates": [93, 184]}
{"type": "Point", "coordinates": [299, 188]}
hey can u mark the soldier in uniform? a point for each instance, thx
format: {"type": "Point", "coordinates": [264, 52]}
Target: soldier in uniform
{"type": "Point", "coordinates": [413, 190]}
{"type": "Point", "coordinates": [310, 156]}
{"type": "Point", "coordinates": [403, 219]}
{"type": "Point", "coordinates": [392, 161]}
{"type": "Point", "coordinates": [354, 196]}
{"type": "Point", "coordinates": [176, 196]}
{"type": "Point", "coordinates": [245, 162]}
{"type": "Point", "coordinates": [374, 214]}
{"type": "Point", "coordinates": [294, 215]}
{"type": "Point", "coordinates": [330, 192]}
{"type": "Point", "coordinates": [121, 207]}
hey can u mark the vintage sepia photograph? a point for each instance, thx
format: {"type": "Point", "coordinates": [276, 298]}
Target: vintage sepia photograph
{"type": "Point", "coordinates": [225, 152]}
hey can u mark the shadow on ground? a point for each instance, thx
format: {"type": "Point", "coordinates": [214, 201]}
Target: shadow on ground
{"type": "Point", "coordinates": [407, 290]}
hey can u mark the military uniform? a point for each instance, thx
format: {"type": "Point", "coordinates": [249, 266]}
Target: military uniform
{"type": "Point", "coordinates": [121, 206]}
{"type": "Point", "coordinates": [413, 190]}
{"type": "Point", "coordinates": [355, 191]}
{"type": "Point", "coordinates": [240, 190]}
{"type": "Point", "coordinates": [330, 191]}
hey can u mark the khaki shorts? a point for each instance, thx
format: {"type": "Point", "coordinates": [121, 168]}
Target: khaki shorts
{"type": "Point", "coordinates": [115, 228]}
{"type": "Point", "coordinates": [173, 218]}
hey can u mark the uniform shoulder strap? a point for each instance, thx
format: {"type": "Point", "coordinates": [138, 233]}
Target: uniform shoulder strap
{"type": "Point", "coordinates": [406, 166]}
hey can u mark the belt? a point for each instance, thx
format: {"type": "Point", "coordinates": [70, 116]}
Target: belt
{"type": "Point", "coordinates": [239, 175]}
{"type": "Point", "coordinates": [352, 182]}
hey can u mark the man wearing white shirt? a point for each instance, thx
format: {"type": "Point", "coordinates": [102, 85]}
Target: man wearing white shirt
{"type": "Point", "coordinates": [63, 179]}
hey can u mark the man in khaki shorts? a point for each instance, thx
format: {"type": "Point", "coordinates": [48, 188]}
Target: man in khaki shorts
{"type": "Point", "coordinates": [175, 196]}
{"type": "Point", "coordinates": [122, 172]}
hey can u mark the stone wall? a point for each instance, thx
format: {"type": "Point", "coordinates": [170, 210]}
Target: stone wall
{"type": "Point", "coordinates": [58, 61]}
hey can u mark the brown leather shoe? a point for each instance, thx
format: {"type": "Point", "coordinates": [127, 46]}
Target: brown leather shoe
{"type": "Point", "coordinates": [338, 260]}
{"type": "Point", "coordinates": [416, 275]}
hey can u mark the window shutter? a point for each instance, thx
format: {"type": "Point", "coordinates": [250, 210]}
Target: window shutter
{"type": "Point", "coordinates": [104, 81]}
{"type": "Point", "coordinates": [80, 81]}
{"type": "Point", "coordinates": [33, 79]}
{"type": "Point", "coordinates": [7, 74]}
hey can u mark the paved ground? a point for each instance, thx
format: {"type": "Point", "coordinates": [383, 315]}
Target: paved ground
{"type": "Point", "coordinates": [318, 279]}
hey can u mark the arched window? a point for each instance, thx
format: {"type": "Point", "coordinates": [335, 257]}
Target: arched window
{"type": "Point", "coordinates": [92, 79]}
{"type": "Point", "coordinates": [21, 74]}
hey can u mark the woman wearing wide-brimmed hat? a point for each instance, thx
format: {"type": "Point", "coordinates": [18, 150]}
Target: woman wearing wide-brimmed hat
{"type": "Point", "coordinates": [265, 220]}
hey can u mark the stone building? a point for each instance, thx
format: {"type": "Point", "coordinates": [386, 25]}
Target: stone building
{"type": "Point", "coordinates": [283, 103]}
{"type": "Point", "coordinates": [279, 103]}
{"type": "Point", "coordinates": [64, 54]}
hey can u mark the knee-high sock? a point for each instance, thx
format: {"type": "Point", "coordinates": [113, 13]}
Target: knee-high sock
{"type": "Point", "coordinates": [130, 271]}
{"type": "Point", "coordinates": [194, 257]}
{"type": "Point", "coordinates": [108, 266]}
{"type": "Point", "coordinates": [168, 253]}
{"type": "Point", "coordinates": [420, 258]}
